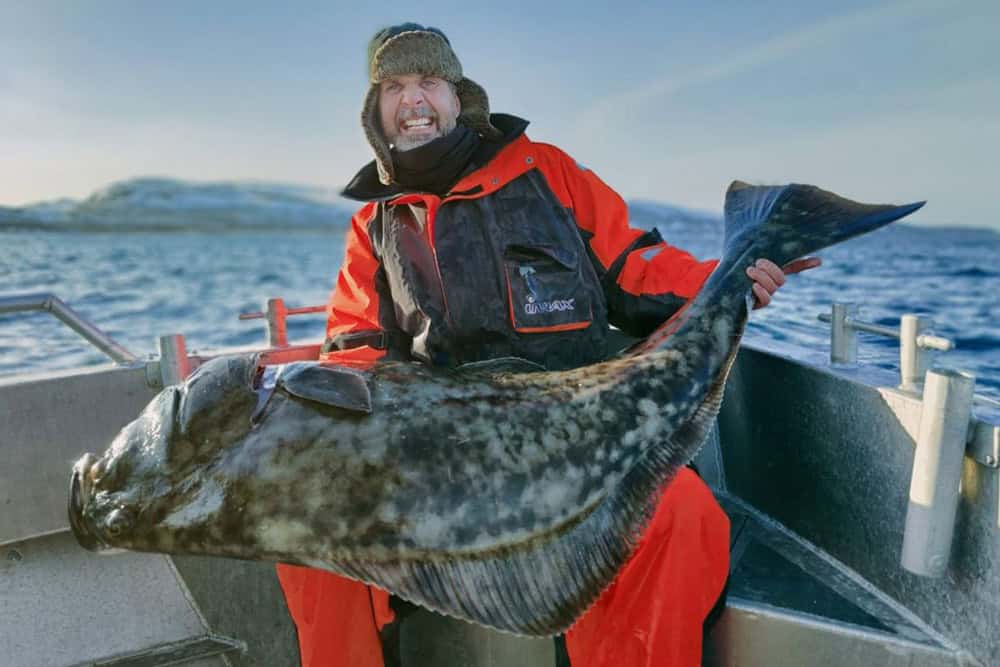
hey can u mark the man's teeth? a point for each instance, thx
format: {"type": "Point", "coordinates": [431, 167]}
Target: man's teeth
{"type": "Point", "coordinates": [419, 122]}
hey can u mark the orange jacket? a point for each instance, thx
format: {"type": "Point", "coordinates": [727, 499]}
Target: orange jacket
{"type": "Point", "coordinates": [652, 615]}
{"type": "Point", "coordinates": [531, 243]}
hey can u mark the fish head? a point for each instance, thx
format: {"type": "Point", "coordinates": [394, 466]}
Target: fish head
{"type": "Point", "coordinates": [157, 487]}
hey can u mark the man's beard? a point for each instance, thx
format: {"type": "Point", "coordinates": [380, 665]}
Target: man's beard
{"type": "Point", "coordinates": [408, 143]}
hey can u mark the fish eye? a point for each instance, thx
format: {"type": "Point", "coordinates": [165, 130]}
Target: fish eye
{"type": "Point", "coordinates": [118, 521]}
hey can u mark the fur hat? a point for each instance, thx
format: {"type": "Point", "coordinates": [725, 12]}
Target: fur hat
{"type": "Point", "coordinates": [410, 48]}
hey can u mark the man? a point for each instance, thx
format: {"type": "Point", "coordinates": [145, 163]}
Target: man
{"type": "Point", "coordinates": [477, 243]}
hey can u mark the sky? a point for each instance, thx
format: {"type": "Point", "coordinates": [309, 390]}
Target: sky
{"type": "Point", "coordinates": [879, 101]}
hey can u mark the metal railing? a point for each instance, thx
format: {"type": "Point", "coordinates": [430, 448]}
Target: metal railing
{"type": "Point", "coordinates": [276, 313]}
{"type": "Point", "coordinates": [51, 303]}
{"type": "Point", "coordinates": [943, 439]}
{"type": "Point", "coordinates": [914, 344]}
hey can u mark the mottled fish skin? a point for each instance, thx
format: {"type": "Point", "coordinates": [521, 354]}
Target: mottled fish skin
{"type": "Point", "coordinates": [445, 464]}
{"type": "Point", "coordinates": [505, 498]}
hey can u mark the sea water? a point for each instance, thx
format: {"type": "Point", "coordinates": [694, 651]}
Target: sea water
{"type": "Point", "coordinates": [137, 286]}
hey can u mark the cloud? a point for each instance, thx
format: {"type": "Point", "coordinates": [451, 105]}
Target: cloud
{"type": "Point", "coordinates": [930, 137]}
{"type": "Point", "coordinates": [942, 152]}
{"type": "Point", "coordinates": [608, 110]}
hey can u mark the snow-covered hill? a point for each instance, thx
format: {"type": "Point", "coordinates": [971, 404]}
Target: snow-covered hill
{"type": "Point", "coordinates": [165, 204]}
{"type": "Point", "coordinates": [169, 204]}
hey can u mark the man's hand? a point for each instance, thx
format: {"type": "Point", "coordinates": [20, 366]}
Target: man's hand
{"type": "Point", "coordinates": [767, 276]}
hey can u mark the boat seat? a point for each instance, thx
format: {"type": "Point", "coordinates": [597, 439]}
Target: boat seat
{"type": "Point", "coordinates": [792, 604]}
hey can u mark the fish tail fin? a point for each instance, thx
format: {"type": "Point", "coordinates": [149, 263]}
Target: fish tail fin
{"type": "Point", "coordinates": [785, 222]}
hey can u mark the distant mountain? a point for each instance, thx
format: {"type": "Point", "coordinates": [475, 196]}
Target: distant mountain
{"type": "Point", "coordinates": [671, 219]}
{"type": "Point", "coordinates": [165, 204]}
{"type": "Point", "coordinates": [658, 213]}
{"type": "Point", "coordinates": [698, 232]}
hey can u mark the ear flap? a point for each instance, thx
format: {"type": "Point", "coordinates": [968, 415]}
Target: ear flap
{"type": "Point", "coordinates": [372, 126]}
{"type": "Point", "coordinates": [330, 385]}
{"type": "Point", "coordinates": [475, 112]}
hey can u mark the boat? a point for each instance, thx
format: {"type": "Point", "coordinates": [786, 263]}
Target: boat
{"type": "Point", "coordinates": [865, 512]}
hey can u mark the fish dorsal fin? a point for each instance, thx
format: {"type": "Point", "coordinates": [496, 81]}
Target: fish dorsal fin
{"type": "Point", "coordinates": [329, 385]}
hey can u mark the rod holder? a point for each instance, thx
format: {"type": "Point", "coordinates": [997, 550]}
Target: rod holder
{"type": "Point", "coordinates": [937, 471]}
{"type": "Point", "coordinates": [174, 363]}
{"type": "Point", "coordinates": [912, 361]}
{"type": "Point", "coordinates": [843, 340]}
{"type": "Point", "coordinates": [277, 328]}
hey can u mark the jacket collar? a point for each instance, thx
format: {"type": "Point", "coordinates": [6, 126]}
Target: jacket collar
{"type": "Point", "coordinates": [365, 186]}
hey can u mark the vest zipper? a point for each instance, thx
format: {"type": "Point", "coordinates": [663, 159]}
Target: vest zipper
{"type": "Point", "coordinates": [432, 208]}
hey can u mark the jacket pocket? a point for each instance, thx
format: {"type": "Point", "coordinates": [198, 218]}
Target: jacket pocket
{"type": "Point", "coordinates": [545, 290]}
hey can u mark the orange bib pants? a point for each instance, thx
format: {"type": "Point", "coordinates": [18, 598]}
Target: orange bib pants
{"type": "Point", "coordinates": [650, 616]}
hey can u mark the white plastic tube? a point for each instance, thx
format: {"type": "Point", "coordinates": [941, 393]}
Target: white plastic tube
{"type": "Point", "coordinates": [937, 471]}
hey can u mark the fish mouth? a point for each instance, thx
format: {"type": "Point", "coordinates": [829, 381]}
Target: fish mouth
{"type": "Point", "coordinates": [77, 495]}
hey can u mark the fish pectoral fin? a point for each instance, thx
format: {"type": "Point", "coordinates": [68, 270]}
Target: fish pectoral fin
{"type": "Point", "coordinates": [330, 385]}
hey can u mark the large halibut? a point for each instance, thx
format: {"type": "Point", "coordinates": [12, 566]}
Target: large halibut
{"type": "Point", "coordinates": [500, 496]}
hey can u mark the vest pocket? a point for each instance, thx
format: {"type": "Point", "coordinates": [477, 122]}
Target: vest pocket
{"type": "Point", "coordinates": [545, 290]}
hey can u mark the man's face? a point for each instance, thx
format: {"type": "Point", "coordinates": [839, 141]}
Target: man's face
{"type": "Point", "coordinates": [416, 109]}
